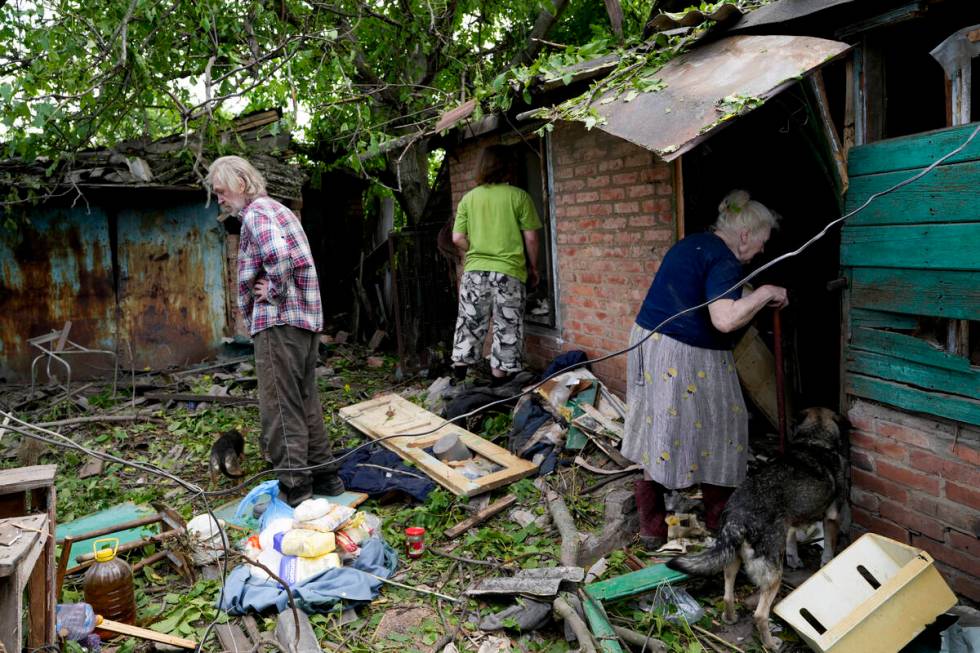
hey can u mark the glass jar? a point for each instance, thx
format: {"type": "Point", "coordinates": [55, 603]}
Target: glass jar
{"type": "Point", "coordinates": [415, 541]}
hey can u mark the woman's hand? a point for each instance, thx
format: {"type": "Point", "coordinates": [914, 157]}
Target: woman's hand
{"type": "Point", "coordinates": [777, 296]}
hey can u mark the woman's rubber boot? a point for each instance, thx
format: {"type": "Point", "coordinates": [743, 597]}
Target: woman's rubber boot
{"type": "Point", "coordinates": [715, 498]}
{"type": "Point", "coordinates": [653, 514]}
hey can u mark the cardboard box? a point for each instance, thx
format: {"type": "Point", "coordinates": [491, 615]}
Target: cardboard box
{"type": "Point", "coordinates": [876, 595]}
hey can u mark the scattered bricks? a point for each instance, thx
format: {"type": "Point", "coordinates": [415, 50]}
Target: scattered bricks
{"type": "Point", "coordinates": [968, 544]}
{"type": "Point", "coordinates": [964, 495]}
{"type": "Point", "coordinates": [879, 486]}
{"type": "Point", "coordinates": [904, 434]}
{"type": "Point", "coordinates": [947, 469]}
{"type": "Point", "coordinates": [879, 526]}
{"type": "Point", "coordinates": [913, 521]}
{"type": "Point", "coordinates": [908, 477]}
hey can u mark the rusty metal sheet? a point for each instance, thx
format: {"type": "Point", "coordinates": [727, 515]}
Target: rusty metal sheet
{"type": "Point", "coordinates": [693, 106]}
{"type": "Point", "coordinates": [784, 11]}
{"type": "Point", "coordinates": [56, 268]}
{"type": "Point", "coordinates": [171, 282]}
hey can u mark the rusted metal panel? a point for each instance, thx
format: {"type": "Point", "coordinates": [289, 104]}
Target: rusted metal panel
{"type": "Point", "coordinates": [56, 268]}
{"type": "Point", "coordinates": [171, 283]}
{"type": "Point", "coordinates": [709, 85]}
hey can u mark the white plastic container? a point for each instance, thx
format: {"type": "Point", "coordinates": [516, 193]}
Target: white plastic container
{"type": "Point", "coordinates": [208, 539]}
{"type": "Point", "coordinates": [876, 595]}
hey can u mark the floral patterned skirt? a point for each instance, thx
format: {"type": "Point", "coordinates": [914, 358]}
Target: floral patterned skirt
{"type": "Point", "coordinates": [686, 421]}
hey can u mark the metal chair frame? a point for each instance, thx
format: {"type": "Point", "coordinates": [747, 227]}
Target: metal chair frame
{"type": "Point", "coordinates": [55, 346]}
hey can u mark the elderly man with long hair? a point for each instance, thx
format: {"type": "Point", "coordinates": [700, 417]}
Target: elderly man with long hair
{"type": "Point", "coordinates": [279, 296]}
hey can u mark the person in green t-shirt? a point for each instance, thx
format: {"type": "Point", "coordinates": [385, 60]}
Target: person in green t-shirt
{"type": "Point", "coordinates": [496, 230]}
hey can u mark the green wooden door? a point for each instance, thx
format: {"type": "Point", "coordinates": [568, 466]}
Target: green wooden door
{"type": "Point", "coordinates": [912, 258]}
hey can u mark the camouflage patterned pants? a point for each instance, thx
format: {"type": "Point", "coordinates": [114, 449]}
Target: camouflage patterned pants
{"type": "Point", "coordinates": [480, 294]}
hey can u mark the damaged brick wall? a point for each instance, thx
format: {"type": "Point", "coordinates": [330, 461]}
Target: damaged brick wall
{"type": "Point", "coordinates": [614, 221]}
{"type": "Point", "coordinates": [917, 480]}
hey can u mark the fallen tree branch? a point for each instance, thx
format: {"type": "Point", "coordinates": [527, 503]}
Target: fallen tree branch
{"type": "Point", "coordinates": [582, 633]}
{"type": "Point", "coordinates": [720, 640]}
{"type": "Point", "coordinates": [651, 644]}
{"type": "Point", "coordinates": [484, 563]}
{"type": "Point", "coordinates": [566, 527]}
{"type": "Point", "coordinates": [102, 418]}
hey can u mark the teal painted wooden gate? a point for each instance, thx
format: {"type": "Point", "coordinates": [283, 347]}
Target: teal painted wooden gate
{"type": "Point", "coordinates": [913, 262]}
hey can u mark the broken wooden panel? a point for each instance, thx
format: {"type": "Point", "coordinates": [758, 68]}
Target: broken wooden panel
{"type": "Point", "coordinates": [912, 153]}
{"type": "Point", "coordinates": [920, 246]}
{"type": "Point", "coordinates": [874, 319]}
{"type": "Point", "coordinates": [418, 429]}
{"type": "Point", "coordinates": [914, 373]}
{"type": "Point", "coordinates": [120, 514]}
{"type": "Point", "coordinates": [639, 581]}
{"type": "Point", "coordinates": [907, 347]}
{"type": "Point", "coordinates": [936, 293]}
{"type": "Point", "coordinates": [600, 626]}
{"type": "Point", "coordinates": [913, 399]}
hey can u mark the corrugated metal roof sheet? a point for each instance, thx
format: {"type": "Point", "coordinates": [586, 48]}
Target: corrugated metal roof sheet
{"type": "Point", "coordinates": [665, 21]}
{"type": "Point", "coordinates": [785, 10]}
{"type": "Point", "coordinates": [711, 84]}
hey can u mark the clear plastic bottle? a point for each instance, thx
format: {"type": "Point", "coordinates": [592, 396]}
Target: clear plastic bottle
{"type": "Point", "coordinates": [109, 585]}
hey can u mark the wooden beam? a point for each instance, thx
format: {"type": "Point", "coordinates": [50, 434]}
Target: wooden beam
{"type": "Point", "coordinates": [830, 131]}
{"type": "Point", "coordinates": [144, 633]}
{"type": "Point", "coordinates": [481, 516]}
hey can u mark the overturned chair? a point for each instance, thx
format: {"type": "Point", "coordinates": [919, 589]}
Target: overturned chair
{"type": "Point", "coordinates": [55, 346]}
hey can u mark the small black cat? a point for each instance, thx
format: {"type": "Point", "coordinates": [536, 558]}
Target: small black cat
{"type": "Point", "coordinates": [227, 455]}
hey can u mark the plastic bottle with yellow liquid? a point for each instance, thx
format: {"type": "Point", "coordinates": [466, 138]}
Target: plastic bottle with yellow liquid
{"type": "Point", "coordinates": [109, 584]}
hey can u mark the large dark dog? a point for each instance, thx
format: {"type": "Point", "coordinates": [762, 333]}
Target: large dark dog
{"type": "Point", "coordinates": [227, 455]}
{"type": "Point", "coordinates": [806, 485]}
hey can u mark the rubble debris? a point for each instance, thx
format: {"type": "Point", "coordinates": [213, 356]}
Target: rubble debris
{"type": "Point", "coordinates": [481, 516]}
{"type": "Point", "coordinates": [526, 615]}
{"type": "Point", "coordinates": [544, 581]}
{"type": "Point", "coordinates": [92, 467]}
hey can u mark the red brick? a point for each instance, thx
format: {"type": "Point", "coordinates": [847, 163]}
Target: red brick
{"type": "Point", "coordinates": [911, 520]}
{"type": "Point", "coordinates": [968, 544]}
{"type": "Point", "coordinates": [625, 178]}
{"type": "Point", "coordinates": [908, 477]}
{"type": "Point", "coordinates": [641, 159]}
{"type": "Point", "coordinates": [626, 207]}
{"type": "Point", "coordinates": [947, 469]}
{"type": "Point", "coordinates": [872, 483]}
{"type": "Point", "coordinates": [965, 453]}
{"type": "Point", "coordinates": [610, 194]}
{"type": "Point", "coordinates": [861, 421]}
{"type": "Point", "coordinates": [585, 170]}
{"type": "Point", "coordinates": [867, 500]}
{"type": "Point", "coordinates": [862, 459]}
{"type": "Point", "coordinates": [598, 182]}
{"type": "Point", "coordinates": [947, 512]}
{"type": "Point", "coordinates": [904, 434]}
{"type": "Point", "coordinates": [644, 190]}
{"type": "Point", "coordinates": [599, 209]}
{"type": "Point", "coordinates": [963, 584]}
{"type": "Point", "coordinates": [590, 196]}
{"type": "Point", "coordinates": [964, 495]}
{"type": "Point", "coordinates": [610, 165]}
{"type": "Point", "coordinates": [947, 554]}
{"type": "Point", "coordinates": [884, 446]}
{"type": "Point", "coordinates": [879, 526]}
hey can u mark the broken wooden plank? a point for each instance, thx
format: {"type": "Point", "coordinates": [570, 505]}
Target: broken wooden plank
{"type": "Point", "coordinates": [611, 452]}
{"type": "Point", "coordinates": [144, 633]}
{"type": "Point", "coordinates": [614, 428]}
{"type": "Point", "coordinates": [532, 582]}
{"type": "Point", "coordinates": [608, 397]}
{"type": "Point", "coordinates": [188, 396]}
{"type": "Point", "coordinates": [481, 516]}
{"type": "Point", "coordinates": [639, 581]}
{"type": "Point", "coordinates": [392, 415]}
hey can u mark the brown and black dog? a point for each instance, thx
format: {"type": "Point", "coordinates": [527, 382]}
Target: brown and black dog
{"type": "Point", "coordinates": [807, 484]}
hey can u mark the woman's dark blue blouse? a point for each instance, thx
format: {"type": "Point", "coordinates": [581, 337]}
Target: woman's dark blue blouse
{"type": "Point", "coordinates": [698, 267]}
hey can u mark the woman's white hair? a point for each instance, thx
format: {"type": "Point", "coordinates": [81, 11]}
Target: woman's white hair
{"type": "Point", "coordinates": [738, 213]}
{"type": "Point", "coordinates": [230, 170]}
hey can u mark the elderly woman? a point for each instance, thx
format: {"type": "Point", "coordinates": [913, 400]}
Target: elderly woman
{"type": "Point", "coordinates": [687, 421]}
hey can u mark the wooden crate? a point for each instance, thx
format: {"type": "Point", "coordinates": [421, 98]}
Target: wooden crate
{"type": "Point", "coordinates": [390, 414]}
{"type": "Point", "coordinates": [876, 591]}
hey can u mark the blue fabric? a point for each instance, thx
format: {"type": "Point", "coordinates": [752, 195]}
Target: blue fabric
{"type": "Point", "coordinates": [243, 593]}
{"type": "Point", "coordinates": [571, 357]}
{"type": "Point", "coordinates": [528, 419]}
{"type": "Point", "coordinates": [376, 482]}
{"type": "Point", "coordinates": [696, 269]}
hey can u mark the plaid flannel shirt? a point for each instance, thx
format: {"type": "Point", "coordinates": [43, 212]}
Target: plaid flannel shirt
{"type": "Point", "coordinates": [273, 245]}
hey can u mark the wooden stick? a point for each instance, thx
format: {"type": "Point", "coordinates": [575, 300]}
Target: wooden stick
{"type": "Point", "coordinates": [566, 526]}
{"type": "Point", "coordinates": [413, 589]}
{"type": "Point", "coordinates": [149, 560]}
{"type": "Point", "coordinates": [135, 523]}
{"type": "Point", "coordinates": [485, 563]}
{"type": "Point", "coordinates": [481, 516]}
{"type": "Point", "coordinates": [102, 418]}
{"type": "Point", "coordinates": [582, 633]}
{"type": "Point", "coordinates": [143, 633]}
{"type": "Point", "coordinates": [62, 566]}
{"type": "Point", "coordinates": [716, 638]}
{"type": "Point", "coordinates": [651, 644]}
